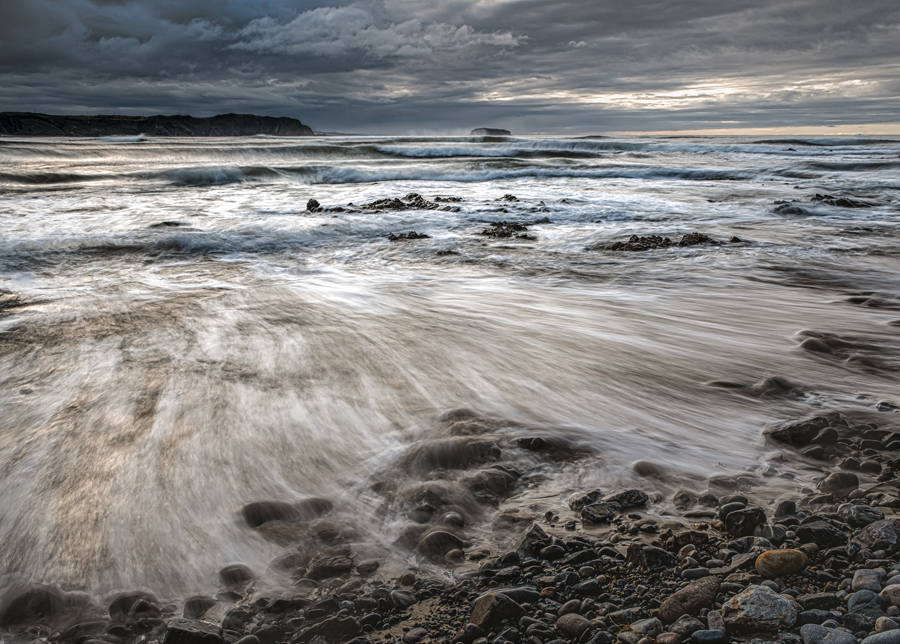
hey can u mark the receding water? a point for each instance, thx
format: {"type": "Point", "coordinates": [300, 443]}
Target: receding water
{"type": "Point", "coordinates": [154, 379]}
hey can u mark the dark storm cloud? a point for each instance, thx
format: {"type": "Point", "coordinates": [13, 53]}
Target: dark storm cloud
{"type": "Point", "coordinates": [533, 65]}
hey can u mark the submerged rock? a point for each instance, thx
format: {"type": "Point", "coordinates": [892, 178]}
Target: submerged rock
{"type": "Point", "coordinates": [32, 605]}
{"type": "Point", "coordinates": [186, 631]}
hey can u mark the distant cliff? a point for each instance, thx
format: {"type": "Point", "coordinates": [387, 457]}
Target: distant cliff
{"type": "Point", "coordinates": [489, 131]}
{"type": "Point", "coordinates": [27, 124]}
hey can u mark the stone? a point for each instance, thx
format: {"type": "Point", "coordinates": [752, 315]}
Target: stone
{"type": "Point", "coordinates": [866, 580]}
{"type": "Point", "coordinates": [867, 603]}
{"type": "Point", "coordinates": [742, 523]}
{"type": "Point", "coordinates": [889, 637]}
{"type": "Point", "coordinates": [492, 608]}
{"type": "Point", "coordinates": [799, 433]}
{"type": "Point", "coordinates": [468, 634]}
{"type": "Point", "coordinates": [690, 599]}
{"type": "Point", "coordinates": [668, 638]}
{"type": "Point", "coordinates": [819, 601]}
{"type": "Point", "coordinates": [598, 512]}
{"type": "Point", "coordinates": [715, 621]}
{"type": "Point", "coordinates": [573, 626]}
{"type": "Point", "coordinates": [840, 484]}
{"type": "Point", "coordinates": [414, 636]}
{"type": "Point", "coordinates": [532, 540]}
{"type": "Point", "coordinates": [578, 501]}
{"type": "Point", "coordinates": [686, 626]}
{"type": "Point", "coordinates": [785, 508]}
{"type": "Point", "coordinates": [34, 604]}
{"type": "Point", "coordinates": [649, 557]}
{"type": "Point", "coordinates": [235, 575]}
{"type": "Point", "coordinates": [268, 633]}
{"type": "Point", "coordinates": [885, 624]}
{"type": "Point", "coordinates": [259, 513]}
{"type": "Point", "coordinates": [133, 605]}
{"type": "Point", "coordinates": [758, 609]}
{"type": "Point", "coordinates": [188, 631]}
{"type": "Point", "coordinates": [880, 535]}
{"type": "Point", "coordinates": [709, 636]}
{"type": "Point", "coordinates": [328, 567]}
{"type": "Point", "coordinates": [312, 205]}
{"type": "Point", "coordinates": [777, 563]}
{"type": "Point", "coordinates": [822, 533]}
{"type": "Point", "coordinates": [859, 516]}
{"type": "Point", "coordinates": [402, 598]}
{"type": "Point", "coordinates": [196, 606]}
{"type": "Point", "coordinates": [337, 627]}
{"type": "Point", "coordinates": [816, 634]}
{"type": "Point", "coordinates": [891, 594]}
{"type": "Point", "coordinates": [628, 499]}
{"type": "Point", "coordinates": [647, 627]}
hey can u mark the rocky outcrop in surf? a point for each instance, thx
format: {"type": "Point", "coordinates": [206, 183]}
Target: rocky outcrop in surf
{"type": "Point", "coordinates": [489, 131]}
{"type": "Point", "coordinates": [29, 124]}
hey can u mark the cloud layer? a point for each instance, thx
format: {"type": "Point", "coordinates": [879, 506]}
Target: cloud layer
{"type": "Point", "coordinates": [449, 65]}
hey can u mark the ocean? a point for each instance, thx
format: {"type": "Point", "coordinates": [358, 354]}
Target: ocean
{"type": "Point", "coordinates": [180, 336]}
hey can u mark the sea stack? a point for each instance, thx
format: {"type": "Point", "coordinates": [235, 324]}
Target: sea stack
{"type": "Point", "coordinates": [489, 131]}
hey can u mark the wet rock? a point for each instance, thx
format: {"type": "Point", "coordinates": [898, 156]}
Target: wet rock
{"type": "Point", "coordinates": [690, 599]}
{"type": "Point", "coordinates": [573, 626]}
{"type": "Point", "coordinates": [235, 575]}
{"type": "Point", "coordinates": [248, 639]}
{"type": "Point", "coordinates": [822, 533]}
{"type": "Point", "coordinates": [414, 636]}
{"type": "Point", "coordinates": [858, 516]}
{"type": "Point", "coordinates": [268, 633]}
{"type": "Point", "coordinates": [841, 202]}
{"type": "Point", "coordinates": [532, 540]}
{"type": "Point", "coordinates": [196, 606]}
{"type": "Point", "coordinates": [598, 513]}
{"type": "Point", "coordinates": [578, 501]}
{"type": "Point", "coordinates": [628, 499]}
{"type": "Point", "coordinates": [32, 605]}
{"type": "Point", "coordinates": [186, 631]}
{"type": "Point", "coordinates": [261, 512]}
{"type": "Point", "coordinates": [758, 609]}
{"type": "Point", "coordinates": [840, 484]}
{"type": "Point", "coordinates": [798, 433]}
{"type": "Point", "coordinates": [819, 601]}
{"type": "Point", "coordinates": [133, 605]}
{"type": "Point", "coordinates": [503, 229]}
{"type": "Point", "coordinates": [439, 543]}
{"type": "Point", "coordinates": [742, 523]}
{"type": "Point", "coordinates": [684, 500]}
{"type": "Point", "coordinates": [402, 598]}
{"type": "Point", "coordinates": [685, 627]}
{"type": "Point", "coordinates": [326, 567]}
{"type": "Point", "coordinates": [777, 563]}
{"type": "Point", "coordinates": [880, 535]}
{"type": "Point", "coordinates": [866, 602]}
{"type": "Point", "coordinates": [337, 627]}
{"type": "Point", "coordinates": [650, 627]}
{"type": "Point", "coordinates": [649, 557]}
{"type": "Point", "coordinates": [312, 205]}
{"type": "Point", "coordinates": [815, 634]}
{"type": "Point", "coordinates": [891, 594]}
{"type": "Point", "coordinates": [451, 454]}
{"type": "Point", "coordinates": [492, 608]}
{"type": "Point", "coordinates": [407, 236]}
{"type": "Point", "coordinates": [885, 624]}
{"type": "Point", "coordinates": [367, 568]}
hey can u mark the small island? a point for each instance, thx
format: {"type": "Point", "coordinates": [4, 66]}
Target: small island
{"type": "Point", "coordinates": [30, 124]}
{"type": "Point", "coordinates": [489, 131]}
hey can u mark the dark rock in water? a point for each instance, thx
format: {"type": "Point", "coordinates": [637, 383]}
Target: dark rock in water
{"type": "Point", "coordinates": [235, 575]}
{"type": "Point", "coordinates": [799, 433]}
{"type": "Point", "coordinates": [791, 209]}
{"type": "Point", "coordinates": [504, 229]}
{"type": "Point", "coordinates": [328, 567]}
{"type": "Point", "coordinates": [840, 484]}
{"type": "Point", "coordinates": [133, 605]}
{"type": "Point", "coordinates": [197, 606]}
{"type": "Point", "coordinates": [598, 512]}
{"type": "Point", "coordinates": [880, 535]}
{"type": "Point", "coordinates": [337, 627]}
{"type": "Point", "coordinates": [30, 124]}
{"type": "Point", "coordinates": [742, 523]}
{"type": "Point", "coordinates": [652, 242]}
{"type": "Point", "coordinates": [821, 533]}
{"type": "Point", "coordinates": [313, 508]}
{"type": "Point", "coordinates": [407, 236]}
{"type": "Point", "coordinates": [261, 512]}
{"type": "Point", "coordinates": [649, 557]}
{"type": "Point", "coordinates": [186, 631]}
{"type": "Point", "coordinates": [451, 454]}
{"type": "Point", "coordinates": [438, 543]}
{"type": "Point", "coordinates": [167, 224]}
{"type": "Point", "coordinates": [690, 599]}
{"type": "Point", "coordinates": [841, 202]}
{"type": "Point", "coordinates": [312, 205]}
{"type": "Point", "coordinates": [684, 500]}
{"type": "Point", "coordinates": [492, 608]}
{"type": "Point", "coordinates": [32, 605]}
{"type": "Point", "coordinates": [628, 499]}
{"type": "Point", "coordinates": [489, 131]}
{"type": "Point", "coordinates": [578, 501]}
{"type": "Point", "coordinates": [412, 201]}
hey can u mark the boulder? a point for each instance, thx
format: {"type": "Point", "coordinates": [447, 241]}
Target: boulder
{"type": "Point", "coordinates": [35, 604]}
{"type": "Point", "coordinates": [815, 634]}
{"type": "Point", "coordinates": [866, 579]}
{"type": "Point", "coordinates": [262, 512]}
{"type": "Point", "coordinates": [492, 608]}
{"type": "Point", "coordinates": [758, 609]}
{"type": "Point", "coordinates": [235, 575]}
{"type": "Point", "coordinates": [188, 631]}
{"type": "Point", "coordinates": [439, 543]}
{"type": "Point", "coordinates": [690, 599]}
{"type": "Point", "coordinates": [598, 512]}
{"type": "Point", "coordinates": [822, 533]}
{"type": "Point", "coordinates": [880, 535]}
{"type": "Point", "coordinates": [196, 606]}
{"type": "Point", "coordinates": [799, 433]}
{"type": "Point", "coordinates": [859, 516]}
{"type": "Point", "coordinates": [573, 626]}
{"type": "Point", "coordinates": [532, 540]}
{"type": "Point", "coordinates": [742, 523]}
{"type": "Point", "coordinates": [628, 499]}
{"type": "Point", "coordinates": [776, 563]}
{"type": "Point", "coordinates": [649, 557]}
{"type": "Point", "coordinates": [840, 484]}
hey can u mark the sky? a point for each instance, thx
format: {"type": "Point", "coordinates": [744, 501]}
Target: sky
{"type": "Point", "coordinates": [447, 66]}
